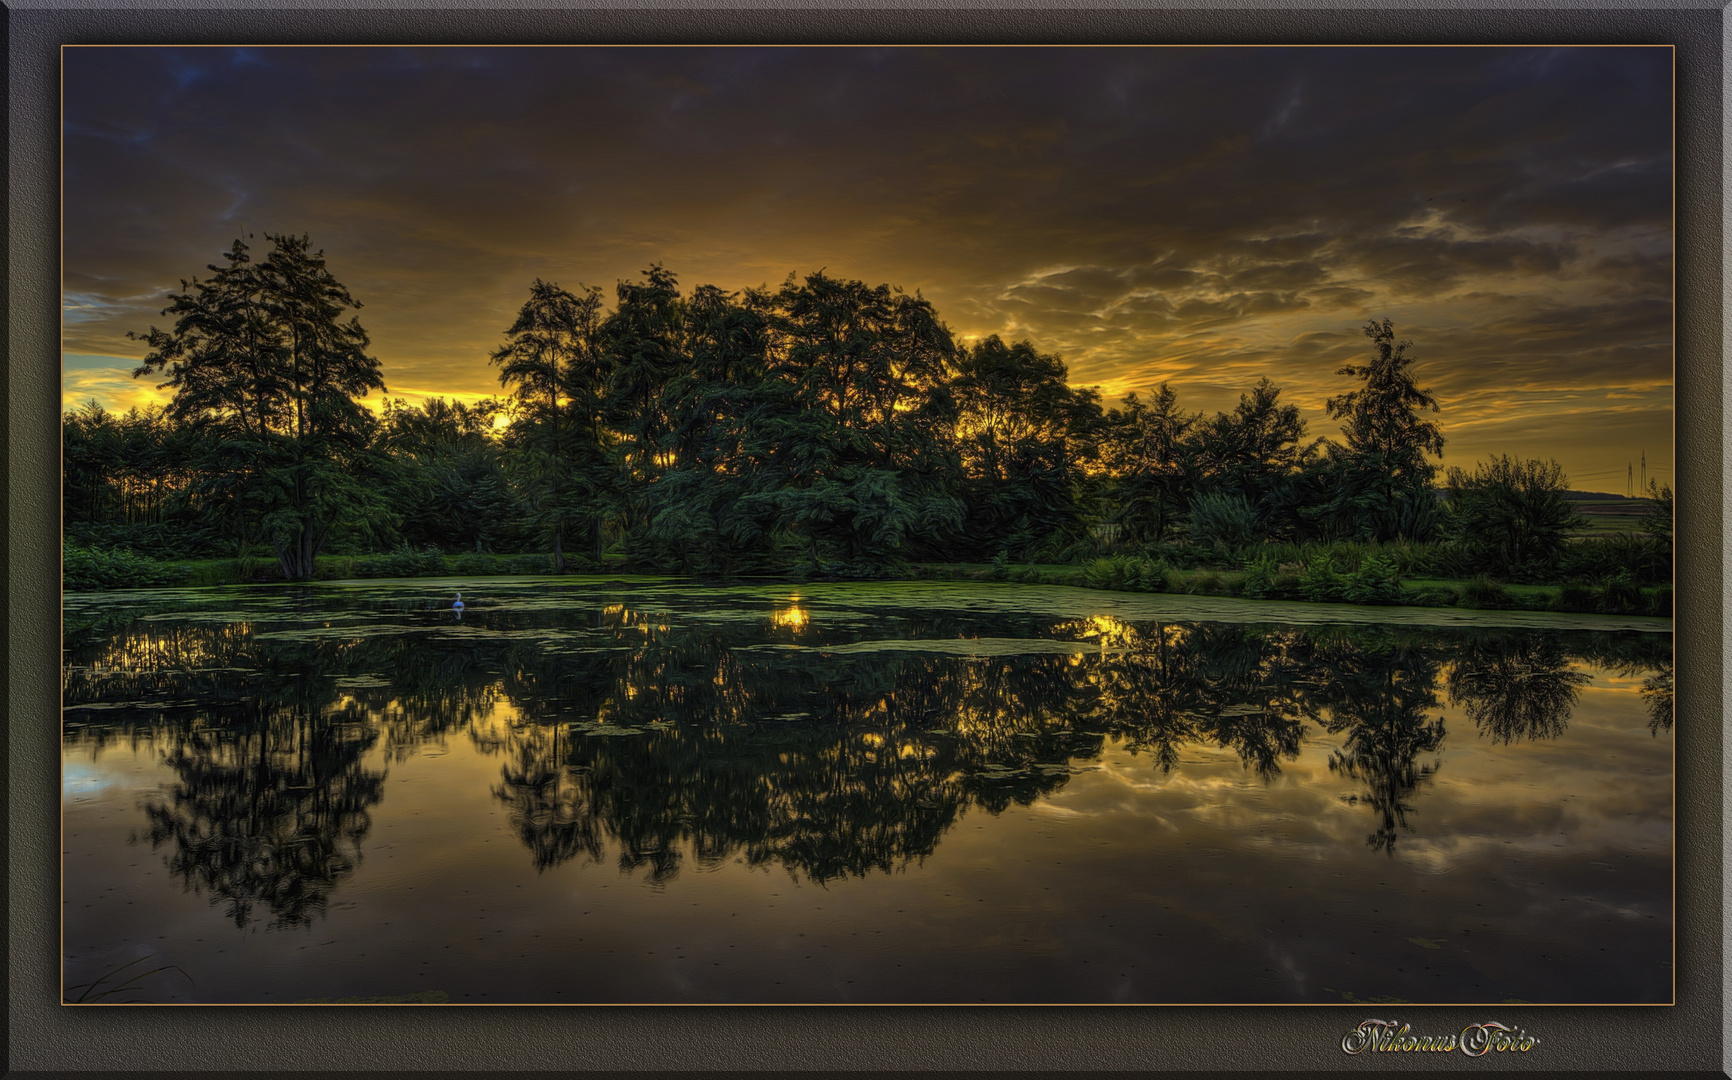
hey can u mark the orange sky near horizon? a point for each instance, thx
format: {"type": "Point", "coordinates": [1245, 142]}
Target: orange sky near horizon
{"type": "Point", "coordinates": [1200, 216]}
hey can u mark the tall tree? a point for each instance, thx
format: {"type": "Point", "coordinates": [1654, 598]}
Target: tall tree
{"type": "Point", "coordinates": [448, 473]}
{"type": "Point", "coordinates": [327, 370]}
{"type": "Point", "coordinates": [1383, 480]}
{"type": "Point", "coordinates": [1024, 437]}
{"type": "Point", "coordinates": [1253, 456]}
{"type": "Point", "coordinates": [862, 370]}
{"type": "Point", "coordinates": [551, 363]}
{"type": "Point", "coordinates": [645, 342]}
{"type": "Point", "coordinates": [1154, 460]}
{"type": "Point", "coordinates": [260, 353]}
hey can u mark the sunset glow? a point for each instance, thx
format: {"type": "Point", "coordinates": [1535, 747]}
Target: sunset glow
{"type": "Point", "coordinates": [1196, 215]}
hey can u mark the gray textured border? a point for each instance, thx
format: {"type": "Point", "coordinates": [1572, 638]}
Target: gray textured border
{"type": "Point", "coordinates": [42, 1036]}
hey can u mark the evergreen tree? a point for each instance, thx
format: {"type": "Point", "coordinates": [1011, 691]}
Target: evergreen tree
{"type": "Point", "coordinates": [556, 373]}
{"type": "Point", "coordinates": [1382, 482]}
{"type": "Point", "coordinates": [260, 355]}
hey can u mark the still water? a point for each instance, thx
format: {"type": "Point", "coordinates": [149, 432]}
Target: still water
{"type": "Point", "coordinates": [644, 791]}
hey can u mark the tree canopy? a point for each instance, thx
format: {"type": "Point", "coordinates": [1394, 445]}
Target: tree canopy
{"type": "Point", "coordinates": [823, 426]}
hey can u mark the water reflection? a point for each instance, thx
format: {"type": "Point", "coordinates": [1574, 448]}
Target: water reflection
{"type": "Point", "coordinates": [267, 811]}
{"type": "Point", "coordinates": [1657, 693]}
{"type": "Point", "coordinates": [664, 739]}
{"type": "Point", "coordinates": [1516, 686]}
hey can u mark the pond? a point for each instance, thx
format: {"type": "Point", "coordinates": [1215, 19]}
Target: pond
{"type": "Point", "coordinates": [637, 791]}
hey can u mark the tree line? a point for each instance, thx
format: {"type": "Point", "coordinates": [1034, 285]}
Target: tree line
{"type": "Point", "coordinates": [825, 426]}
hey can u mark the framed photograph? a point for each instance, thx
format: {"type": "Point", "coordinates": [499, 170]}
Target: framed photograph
{"type": "Point", "coordinates": [1008, 524]}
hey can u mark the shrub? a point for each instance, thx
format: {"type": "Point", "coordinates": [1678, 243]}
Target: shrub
{"type": "Point", "coordinates": [1259, 581]}
{"type": "Point", "coordinates": [1208, 583]}
{"type": "Point", "coordinates": [1122, 572]}
{"type": "Point", "coordinates": [1661, 604]}
{"type": "Point", "coordinates": [1321, 582]}
{"type": "Point", "coordinates": [97, 568]}
{"type": "Point", "coordinates": [334, 567]}
{"type": "Point", "coordinates": [404, 562]}
{"type": "Point", "coordinates": [1104, 573]}
{"type": "Point", "coordinates": [1151, 575]}
{"type": "Point", "coordinates": [474, 562]}
{"type": "Point", "coordinates": [1575, 596]}
{"type": "Point", "coordinates": [1375, 582]}
{"type": "Point", "coordinates": [1621, 596]}
{"type": "Point", "coordinates": [1512, 515]}
{"type": "Point", "coordinates": [1645, 559]}
{"type": "Point", "coordinates": [1224, 520]}
{"type": "Point", "coordinates": [1413, 559]}
{"type": "Point", "coordinates": [1482, 592]}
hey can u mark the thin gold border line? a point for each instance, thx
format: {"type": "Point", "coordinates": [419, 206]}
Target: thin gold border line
{"type": "Point", "coordinates": [61, 613]}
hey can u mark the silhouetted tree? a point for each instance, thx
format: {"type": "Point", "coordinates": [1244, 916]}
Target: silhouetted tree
{"type": "Point", "coordinates": [1514, 515]}
{"type": "Point", "coordinates": [1382, 481]}
{"type": "Point", "coordinates": [261, 353]}
{"type": "Point", "coordinates": [552, 364]}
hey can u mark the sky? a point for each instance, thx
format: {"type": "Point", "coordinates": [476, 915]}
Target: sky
{"type": "Point", "coordinates": [1194, 215]}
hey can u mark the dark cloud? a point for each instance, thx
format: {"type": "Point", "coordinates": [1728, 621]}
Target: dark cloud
{"type": "Point", "coordinates": [1200, 214]}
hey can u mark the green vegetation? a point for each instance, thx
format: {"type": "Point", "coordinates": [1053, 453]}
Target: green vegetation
{"type": "Point", "coordinates": [825, 428]}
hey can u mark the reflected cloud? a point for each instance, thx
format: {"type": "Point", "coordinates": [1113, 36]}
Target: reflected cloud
{"type": "Point", "coordinates": [689, 746]}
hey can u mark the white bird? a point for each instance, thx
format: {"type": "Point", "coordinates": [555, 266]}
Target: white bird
{"type": "Point", "coordinates": [458, 606]}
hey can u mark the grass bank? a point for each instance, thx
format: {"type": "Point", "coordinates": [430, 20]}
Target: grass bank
{"type": "Point", "coordinates": [1375, 585]}
{"type": "Point", "coordinates": [86, 569]}
{"type": "Point", "coordinates": [1373, 580]}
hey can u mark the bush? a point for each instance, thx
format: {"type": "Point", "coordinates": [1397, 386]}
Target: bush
{"type": "Point", "coordinates": [404, 562]}
{"type": "Point", "coordinates": [1512, 515]}
{"type": "Point", "coordinates": [1430, 596]}
{"type": "Point", "coordinates": [1661, 604]}
{"type": "Point", "coordinates": [1208, 583]}
{"type": "Point", "coordinates": [1227, 521]}
{"type": "Point", "coordinates": [1104, 573]}
{"type": "Point", "coordinates": [1413, 559]}
{"type": "Point", "coordinates": [1645, 559]}
{"type": "Point", "coordinates": [334, 567]}
{"type": "Point", "coordinates": [1575, 596]}
{"type": "Point", "coordinates": [1125, 572]}
{"type": "Point", "coordinates": [1482, 592]}
{"type": "Point", "coordinates": [473, 562]}
{"type": "Point", "coordinates": [1621, 596]}
{"type": "Point", "coordinates": [1152, 574]}
{"type": "Point", "coordinates": [1260, 576]}
{"type": "Point", "coordinates": [96, 568]}
{"type": "Point", "coordinates": [1375, 582]}
{"type": "Point", "coordinates": [1321, 582]}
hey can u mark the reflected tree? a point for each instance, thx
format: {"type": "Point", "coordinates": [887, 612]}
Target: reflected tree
{"type": "Point", "coordinates": [1515, 686]}
{"type": "Point", "coordinates": [268, 813]}
{"type": "Point", "coordinates": [638, 736]}
{"type": "Point", "coordinates": [1657, 694]}
{"type": "Point", "coordinates": [1380, 687]}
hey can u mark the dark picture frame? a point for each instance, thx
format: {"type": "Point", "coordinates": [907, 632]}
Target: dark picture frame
{"type": "Point", "coordinates": [42, 1036]}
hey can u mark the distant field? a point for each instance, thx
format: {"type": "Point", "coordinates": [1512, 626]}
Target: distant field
{"type": "Point", "coordinates": [1610, 514]}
